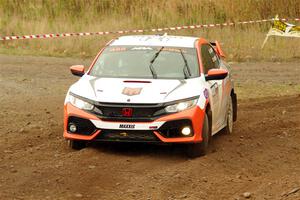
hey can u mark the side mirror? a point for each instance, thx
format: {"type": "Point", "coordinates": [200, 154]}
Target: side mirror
{"type": "Point", "coordinates": [77, 70]}
{"type": "Point", "coordinates": [216, 74]}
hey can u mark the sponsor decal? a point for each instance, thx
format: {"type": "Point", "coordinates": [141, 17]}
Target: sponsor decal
{"type": "Point", "coordinates": [127, 126]}
{"type": "Point", "coordinates": [176, 50]}
{"type": "Point", "coordinates": [214, 59]}
{"type": "Point", "coordinates": [205, 93]}
{"type": "Point", "coordinates": [131, 91]}
{"type": "Point", "coordinates": [141, 48]}
{"type": "Point", "coordinates": [117, 49]}
{"type": "Point", "coordinates": [153, 127]}
{"type": "Point", "coordinates": [214, 89]}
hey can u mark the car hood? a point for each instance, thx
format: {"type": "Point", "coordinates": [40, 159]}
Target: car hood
{"type": "Point", "coordinates": [119, 90]}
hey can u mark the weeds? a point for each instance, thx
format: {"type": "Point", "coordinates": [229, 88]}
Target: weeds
{"type": "Point", "coordinates": [21, 17]}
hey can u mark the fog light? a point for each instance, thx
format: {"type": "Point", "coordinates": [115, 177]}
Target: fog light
{"type": "Point", "coordinates": [186, 131]}
{"type": "Point", "coordinates": [73, 128]}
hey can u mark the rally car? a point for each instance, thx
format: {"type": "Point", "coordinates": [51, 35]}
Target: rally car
{"type": "Point", "coordinates": [152, 88]}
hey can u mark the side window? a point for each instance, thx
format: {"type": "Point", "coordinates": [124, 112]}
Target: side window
{"type": "Point", "coordinates": [209, 58]}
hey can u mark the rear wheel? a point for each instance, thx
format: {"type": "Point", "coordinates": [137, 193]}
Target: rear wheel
{"type": "Point", "coordinates": [77, 144]}
{"type": "Point", "coordinates": [229, 118]}
{"type": "Point", "coordinates": [199, 149]}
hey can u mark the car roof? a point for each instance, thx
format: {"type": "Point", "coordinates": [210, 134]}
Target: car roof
{"type": "Point", "coordinates": [156, 40]}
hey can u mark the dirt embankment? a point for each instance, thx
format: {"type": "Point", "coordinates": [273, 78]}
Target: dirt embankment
{"type": "Point", "coordinates": [261, 156]}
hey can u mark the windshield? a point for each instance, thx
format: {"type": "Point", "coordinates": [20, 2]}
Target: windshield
{"type": "Point", "coordinates": [142, 62]}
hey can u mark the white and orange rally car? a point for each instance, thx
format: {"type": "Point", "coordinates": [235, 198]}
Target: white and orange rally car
{"type": "Point", "coordinates": [152, 88]}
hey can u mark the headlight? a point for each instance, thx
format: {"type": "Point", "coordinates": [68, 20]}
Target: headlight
{"type": "Point", "coordinates": [79, 103]}
{"type": "Point", "coordinates": [181, 106]}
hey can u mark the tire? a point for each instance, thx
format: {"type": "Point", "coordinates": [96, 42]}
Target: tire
{"type": "Point", "coordinates": [77, 144]}
{"type": "Point", "coordinates": [229, 117]}
{"type": "Point", "coordinates": [200, 149]}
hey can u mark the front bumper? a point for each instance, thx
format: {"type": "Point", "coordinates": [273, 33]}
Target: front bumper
{"type": "Point", "coordinates": [163, 129]}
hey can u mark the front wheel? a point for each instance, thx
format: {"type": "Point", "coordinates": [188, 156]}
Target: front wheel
{"type": "Point", "coordinates": [200, 149]}
{"type": "Point", "coordinates": [77, 144]}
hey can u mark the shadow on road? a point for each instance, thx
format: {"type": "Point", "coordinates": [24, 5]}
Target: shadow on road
{"type": "Point", "coordinates": [141, 149]}
{"type": "Point", "coordinates": [133, 149]}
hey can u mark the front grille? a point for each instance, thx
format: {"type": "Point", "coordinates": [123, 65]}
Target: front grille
{"type": "Point", "coordinates": [127, 135]}
{"type": "Point", "coordinates": [141, 112]}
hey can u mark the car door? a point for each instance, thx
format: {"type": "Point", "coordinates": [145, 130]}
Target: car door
{"type": "Point", "coordinates": [210, 60]}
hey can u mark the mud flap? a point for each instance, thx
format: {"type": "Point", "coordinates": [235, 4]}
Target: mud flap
{"type": "Point", "coordinates": [234, 104]}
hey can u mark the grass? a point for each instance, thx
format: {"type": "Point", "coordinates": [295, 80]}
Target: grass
{"type": "Point", "coordinates": [21, 17]}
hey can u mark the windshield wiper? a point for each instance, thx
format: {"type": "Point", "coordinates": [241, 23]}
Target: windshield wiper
{"type": "Point", "coordinates": [154, 74]}
{"type": "Point", "coordinates": [186, 69]}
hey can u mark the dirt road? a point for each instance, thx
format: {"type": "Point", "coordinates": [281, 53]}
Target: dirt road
{"type": "Point", "coordinates": [261, 157]}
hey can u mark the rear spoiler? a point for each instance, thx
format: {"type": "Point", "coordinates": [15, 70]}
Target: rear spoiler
{"type": "Point", "coordinates": [217, 48]}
